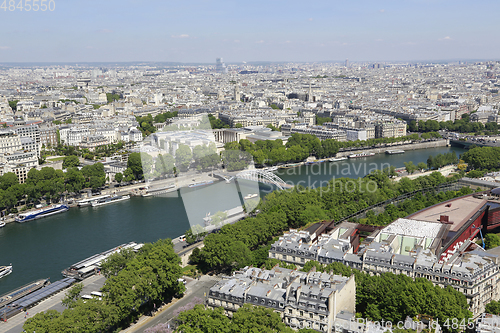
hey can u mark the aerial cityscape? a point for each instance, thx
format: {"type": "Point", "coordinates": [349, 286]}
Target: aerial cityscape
{"type": "Point", "coordinates": [276, 166]}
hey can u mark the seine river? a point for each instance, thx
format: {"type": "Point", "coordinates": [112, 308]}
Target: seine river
{"type": "Point", "coordinates": [43, 248]}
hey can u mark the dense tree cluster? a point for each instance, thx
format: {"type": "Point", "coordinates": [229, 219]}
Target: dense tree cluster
{"type": "Point", "coordinates": [493, 307]}
{"type": "Point", "coordinates": [322, 120]}
{"type": "Point", "coordinates": [440, 160]}
{"type": "Point", "coordinates": [112, 97]}
{"type": "Point", "coordinates": [410, 206]}
{"type": "Point", "coordinates": [48, 184]}
{"type": "Point", "coordinates": [393, 297]}
{"type": "Point", "coordinates": [146, 124]}
{"type": "Point", "coordinates": [163, 117]}
{"type": "Point", "coordinates": [70, 161]}
{"type": "Point", "coordinates": [430, 135]}
{"type": "Point", "coordinates": [483, 158]}
{"type": "Point", "coordinates": [246, 241]}
{"type": "Point", "coordinates": [491, 241]}
{"type": "Point", "coordinates": [134, 285]}
{"type": "Point", "coordinates": [463, 125]}
{"type": "Point", "coordinates": [216, 123]}
{"type": "Point", "coordinates": [13, 104]}
{"type": "Point", "coordinates": [98, 153]}
{"type": "Point", "coordinates": [301, 146]}
{"type": "Point", "coordinates": [248, 318]}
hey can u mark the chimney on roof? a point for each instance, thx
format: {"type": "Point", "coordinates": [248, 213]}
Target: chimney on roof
{"type": "Point", "coordinates": [445, 219]}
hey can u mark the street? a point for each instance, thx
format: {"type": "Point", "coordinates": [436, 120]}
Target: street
{"type": "Point", "coordinates": [194, 288]}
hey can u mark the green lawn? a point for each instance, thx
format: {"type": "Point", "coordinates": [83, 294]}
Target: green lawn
{"type": "Point", "coordinates": [55, 159]}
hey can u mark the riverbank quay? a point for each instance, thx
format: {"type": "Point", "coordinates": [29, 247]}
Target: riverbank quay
{"type": "Point", "coordinates": [445, 171]}
{"type": "Point", "coordinates": [402, 146]}
{"type": "Point", "coordinates": [378, 150]}
{"type": "Point", "coordinates": [15, 324]}
{"type": "Point", "coordinates": [137, 189]}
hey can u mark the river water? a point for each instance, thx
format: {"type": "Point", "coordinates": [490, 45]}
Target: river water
{"type": "Point", "coordinates": [43, 248]}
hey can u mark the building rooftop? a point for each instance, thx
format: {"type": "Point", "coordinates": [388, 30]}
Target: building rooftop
{"type": "Point", "coordinates": [407, 227]}
{"type": "Point", "coordinates": [458, 211]}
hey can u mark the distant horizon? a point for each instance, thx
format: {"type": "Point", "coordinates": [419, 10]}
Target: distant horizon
{"type": "Point", "coordinates": [242, 63]}
{"type": "Point", "coordinates": [197, 31]}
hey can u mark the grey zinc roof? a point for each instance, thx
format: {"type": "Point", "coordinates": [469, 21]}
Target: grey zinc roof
{"type": "Point", "coordinates": [400, 258]}
{"type": "Point", "coordinates": [349, 257]}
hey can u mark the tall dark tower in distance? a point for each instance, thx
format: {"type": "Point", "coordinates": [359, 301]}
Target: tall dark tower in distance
{"type": "Point", "coordinates": [220, 66]}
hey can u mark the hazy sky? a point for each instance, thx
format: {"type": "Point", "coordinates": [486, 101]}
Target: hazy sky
{"type": "Point", "coordinates": [270, 30]}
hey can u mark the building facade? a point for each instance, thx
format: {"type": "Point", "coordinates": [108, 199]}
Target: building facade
{"type": "Point", "coordinates": [302, 299]}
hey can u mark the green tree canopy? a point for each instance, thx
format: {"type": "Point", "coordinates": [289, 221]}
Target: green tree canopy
{"type": "Point", "coordinates": [183, 157]}
{"type": "Point", "coordinates": [119, 177]}
{"type": "Point", "coordinates": [70, 161]}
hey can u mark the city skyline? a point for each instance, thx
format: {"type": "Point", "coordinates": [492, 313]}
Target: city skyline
{"type": "Point", "coordinates": [277, 31]}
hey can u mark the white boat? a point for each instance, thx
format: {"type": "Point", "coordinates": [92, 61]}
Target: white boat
{"type": "Point", "coordinates": [109, 200]}
{"type": "Point", "coordinates": [207, 182]}
{"type": "Point", "coordinates": [271, 169]}
{"type": "Point", "coordinates": [394, 152]}
{"type": "Point", "coordinates": [2, 224]}
{"type": "Point", "coordinates": [159, 191]}
{"type": "Point", "coordinates": [5, 270]}
{"type": "Point", "coordinates": [361, 155]}
{"type": "Point", "coordinates": [88, 202]}
{"type": "Point", "coordinates": [336, 159]}
{"type": "Point", "coordinates": [250, 196]}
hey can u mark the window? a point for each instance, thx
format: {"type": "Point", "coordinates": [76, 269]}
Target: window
{"type": "Point", "coordinates": [290, 311]}
{"type": "Point", "coordinates": [310, 315]}
{"type": "Point", "coordinates": [301, 313]}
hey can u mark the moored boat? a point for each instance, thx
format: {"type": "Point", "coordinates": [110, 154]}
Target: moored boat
{"type": "Point", "coordinates": [207, 182]}
{"type": "Point", "coordinates": [158, 191]}
{"type": "Point", "coordinates": [361, 155]}
{"type": "Point", "coordinates": [88, 202]}
{"type": "Point", "coordinates": [91, 265]}
{"type": "Point", "coordinates": [336, 159]}
{"type": "Point", "coordinates": [109, 200]}
{"type": "Point", "coordinates": [394, 152]}
{"type": "Point", "coordinates": [5, 270]}
{"type": "Point", "coordinates": [39, 213]}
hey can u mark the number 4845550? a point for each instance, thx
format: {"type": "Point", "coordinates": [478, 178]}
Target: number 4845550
{"type": "Point", "coordinates": [28, 5]}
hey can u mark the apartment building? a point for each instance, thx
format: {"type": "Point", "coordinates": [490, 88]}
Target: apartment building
{"type": "Point", "coordinates": [406, 246]}
{"type": "Point", "coordinates": [390, 129]}
{"type": "Point", "coordinates": [318, 131]}
{"type": "Point", "coordinates": [48, 135]}
{"type": "Point", "coordinates": [20, 163]}
{"type": "Point", "coordinates": [9, 141]}
{"type": "Point", "coordinates": [302, 299]}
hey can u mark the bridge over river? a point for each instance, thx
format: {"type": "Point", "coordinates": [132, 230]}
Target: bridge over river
{"type": "Point", "coordinates": [256, 175]}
